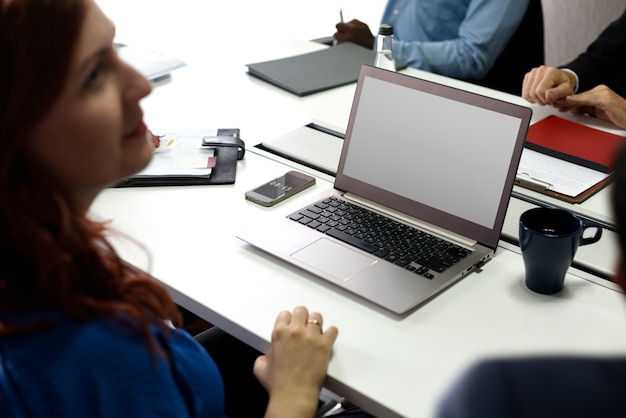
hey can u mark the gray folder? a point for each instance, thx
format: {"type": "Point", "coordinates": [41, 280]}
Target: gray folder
{"type": "Point", "coordinates": [315, 71]}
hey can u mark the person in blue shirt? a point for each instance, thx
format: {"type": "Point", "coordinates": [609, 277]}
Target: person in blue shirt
{"type": "Point", "coordinates": [455, 38]}
{"type": "Point", "coordinates": [81, 333]}
{"type": "Point", "coordinates": [594, 83]}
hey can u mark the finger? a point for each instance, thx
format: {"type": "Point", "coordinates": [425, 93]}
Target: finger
{"type": "Point", "coordinates": [331, 334]}
{"type": "Point", "coordinates": [530, 85]}
{"type": "Point", "coordinates": [542, 87]}
{"type": "Point", "coordinates": [259, 369]}
{"type": "Point", "coordinates": [315, 321]}
{"type": "Point", "coordinates": [300, 315]}
{"type": "Point", "coordinates": [341, 27]}
{"type": "Point", "coordinates": [317, 317]}
{"type": "Point", "coordinates": [557, 93]}
{"type": "Point", "coordinates": [283, 318]}
{"type": "Point", "coordinates": [532, 80]}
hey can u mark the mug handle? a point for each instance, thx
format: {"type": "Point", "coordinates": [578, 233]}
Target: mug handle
{"type": "Point", "coordinates": [596, 237]}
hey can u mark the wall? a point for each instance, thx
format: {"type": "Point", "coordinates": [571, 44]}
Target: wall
{"type": "Point", "coordinates": [571, 25]}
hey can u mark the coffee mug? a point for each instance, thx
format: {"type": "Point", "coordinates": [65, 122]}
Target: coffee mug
{"type": "Point", "coordinates": [549, 239]}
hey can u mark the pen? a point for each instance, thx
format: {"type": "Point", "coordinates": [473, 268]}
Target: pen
{"type": "Point", "coordinates": [526, 180]}
{"type": "Point", "coordinates": [341, 15]}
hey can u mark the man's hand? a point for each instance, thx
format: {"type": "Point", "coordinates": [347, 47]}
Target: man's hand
{"type": "Point", "coordinates": [546, 85]}
{"type": "Point", "coordinates": [354, 31]}
{"type": "Point", "coordinates": [601, 102]}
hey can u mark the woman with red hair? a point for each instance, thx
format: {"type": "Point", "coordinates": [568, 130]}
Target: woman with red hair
{"type": "Point", "coordinates": [81, 334]}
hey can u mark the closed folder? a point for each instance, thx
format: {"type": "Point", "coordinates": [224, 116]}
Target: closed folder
{"type": "Point", "coordinates": [574, 142]}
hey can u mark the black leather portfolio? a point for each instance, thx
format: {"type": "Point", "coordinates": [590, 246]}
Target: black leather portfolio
{"type": "Point", "coordinates": [224, 151]}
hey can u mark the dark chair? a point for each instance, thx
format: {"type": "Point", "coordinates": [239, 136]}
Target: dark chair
{"type": "Point", "coordinates": [524, 51]}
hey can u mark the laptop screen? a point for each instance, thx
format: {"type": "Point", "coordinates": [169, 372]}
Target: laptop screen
{"type": "Point", "coordinates": [434, 152]}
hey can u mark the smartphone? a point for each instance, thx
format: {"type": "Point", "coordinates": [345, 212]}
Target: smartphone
{"type": "Point", "coordinates": [280, 188]}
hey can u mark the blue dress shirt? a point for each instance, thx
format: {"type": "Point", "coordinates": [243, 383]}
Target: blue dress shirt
{"type": "Point", "coordinates": [456, 38]}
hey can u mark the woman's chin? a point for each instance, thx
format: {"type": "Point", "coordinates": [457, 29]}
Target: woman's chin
{"type": "Point", "coordinates": [138, 157]}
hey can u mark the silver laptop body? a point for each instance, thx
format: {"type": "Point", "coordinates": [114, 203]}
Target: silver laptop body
{"type": "Point", "coordinates": [427, 155]}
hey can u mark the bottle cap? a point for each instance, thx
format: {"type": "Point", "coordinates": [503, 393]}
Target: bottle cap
{"type": "Point", "coordinates": [385, 29]}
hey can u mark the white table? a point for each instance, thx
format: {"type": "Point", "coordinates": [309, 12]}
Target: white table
{"type": "Point", "coordinates": [390, 366]}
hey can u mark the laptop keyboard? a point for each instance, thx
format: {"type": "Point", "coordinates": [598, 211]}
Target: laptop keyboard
{"type": "Point", "coordinates": [397, 243]}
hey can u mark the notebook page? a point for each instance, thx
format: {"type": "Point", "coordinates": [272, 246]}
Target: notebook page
{"type": "Point", "coordinates": [561, 176]}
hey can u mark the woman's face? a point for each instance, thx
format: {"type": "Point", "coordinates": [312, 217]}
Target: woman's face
{"type": "Point", "coordinates": [94, 134]}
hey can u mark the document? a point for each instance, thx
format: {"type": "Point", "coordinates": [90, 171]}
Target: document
{"type": "Point", "coordinates": [181, 155]}
{"type": "Point", "coordinates": [188, 157]}
{"type": "Point", "coordinates": [566, 159]}
{"type": "Point", "coordinates": [542, 172]}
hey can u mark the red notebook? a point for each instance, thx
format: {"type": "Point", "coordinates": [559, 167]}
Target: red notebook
{"type": "Point", "coordinates": [574, 142]}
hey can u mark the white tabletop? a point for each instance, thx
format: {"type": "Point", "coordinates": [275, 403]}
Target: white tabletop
{"type": "Point", "coordinates": [185, 236]}
{"type": "Point", "coordinates": [387, 364]}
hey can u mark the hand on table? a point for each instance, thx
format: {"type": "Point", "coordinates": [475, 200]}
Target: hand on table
{"type": "Point", "coordinates": [601, 102]}
{"type": "Point", "coordinates": [295, 367]}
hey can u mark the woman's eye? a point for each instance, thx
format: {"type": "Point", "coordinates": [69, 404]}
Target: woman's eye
{"type": "Point", "coordinates": [102, 66]}
{"type": "Point", "coordinates": [94, 76]}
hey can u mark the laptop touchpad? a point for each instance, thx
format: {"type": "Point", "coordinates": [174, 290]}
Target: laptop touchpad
{"type": "Point", "coordinates": [334, 259]}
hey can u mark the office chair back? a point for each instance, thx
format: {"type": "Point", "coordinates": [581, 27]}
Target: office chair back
{"type": "Point", "coordinates": [524, 51]}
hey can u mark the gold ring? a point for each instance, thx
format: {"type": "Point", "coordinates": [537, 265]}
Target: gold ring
{"type": "Point", "coordinates": [314, 322]}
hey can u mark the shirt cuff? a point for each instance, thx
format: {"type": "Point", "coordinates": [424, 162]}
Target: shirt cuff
{"type": "Point", "coordinates": [567, 70]}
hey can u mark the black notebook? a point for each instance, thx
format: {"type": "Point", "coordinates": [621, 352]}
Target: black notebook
{"type": "Point", "coordinates": [315, 71]}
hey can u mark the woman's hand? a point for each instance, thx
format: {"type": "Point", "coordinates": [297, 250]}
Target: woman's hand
{"type": "Point", "coordinates": [295, 367]}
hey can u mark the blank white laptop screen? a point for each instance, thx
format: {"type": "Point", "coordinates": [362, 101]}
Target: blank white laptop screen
{"type": "Point", "coordinates": [450, 172]}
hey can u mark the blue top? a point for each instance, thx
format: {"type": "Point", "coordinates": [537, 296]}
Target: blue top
{"type": "Point", "coordinates": [540, 387]}
{"type": "Point", "coordinates": [101, 369]}
{"type": "Point", "coordinates": [456, 38]}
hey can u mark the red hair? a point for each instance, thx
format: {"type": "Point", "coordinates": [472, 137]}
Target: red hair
{"type": "Point", "coordinates": [54, 257]}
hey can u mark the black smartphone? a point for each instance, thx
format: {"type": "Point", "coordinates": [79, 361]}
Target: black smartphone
{"type": "Point", "coordinates": [280, 188]}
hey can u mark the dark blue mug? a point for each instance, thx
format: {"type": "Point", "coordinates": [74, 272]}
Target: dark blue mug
{"type": "Point", "coordinates": [549, 239]}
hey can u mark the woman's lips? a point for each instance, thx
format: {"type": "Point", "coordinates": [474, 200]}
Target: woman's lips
{"type": "Point", "coordinates": [141, 130]}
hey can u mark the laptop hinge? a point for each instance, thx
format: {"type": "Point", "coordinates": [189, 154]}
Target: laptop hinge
{"type": "Point", "coordinates": [451, 236]}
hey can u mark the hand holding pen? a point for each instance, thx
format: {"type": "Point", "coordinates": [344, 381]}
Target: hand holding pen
{"type": "Point", "coordinates": [353, 31]}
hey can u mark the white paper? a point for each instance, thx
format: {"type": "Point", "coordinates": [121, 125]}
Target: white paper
{"type": "Point", "coordinates": [560, 176]}
{"type": "Point", "coordinates": [181, 154]}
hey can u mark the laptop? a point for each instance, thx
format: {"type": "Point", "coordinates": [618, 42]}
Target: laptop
{"type": "Point", "coordinates": [436, 163]}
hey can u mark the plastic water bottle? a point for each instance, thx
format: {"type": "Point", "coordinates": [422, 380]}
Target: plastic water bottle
{"type": "Point", "coordinates": [384, 48]}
